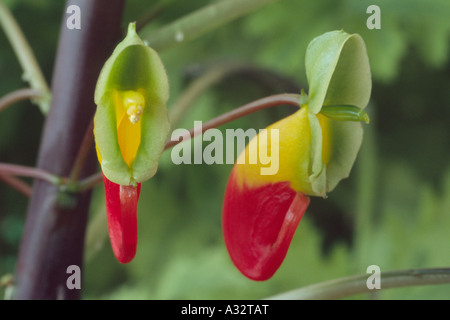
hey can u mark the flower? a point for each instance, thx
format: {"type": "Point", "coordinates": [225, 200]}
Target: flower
{"type": "Point", "coordinates": [317, 147]}
{"type": "Point", "coordinates": [130, 128]}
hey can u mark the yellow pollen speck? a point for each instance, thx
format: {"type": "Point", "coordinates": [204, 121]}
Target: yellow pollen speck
{"type": "Point", "coordinates": [134, 103]}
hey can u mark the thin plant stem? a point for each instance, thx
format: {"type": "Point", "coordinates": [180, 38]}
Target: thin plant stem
{"type": "Point", "coordinates": [24, 53]}
{"type": "Point", "coordinates": [24, 171]}
{"type": "Point", "coordinates": [18, 95]}
{"type": "Point", "coordinates": [218, 73]}
{"type": "Point", "coordinates": [349, 286]}
{"type": "Point", "coordinates": [17, 184]}
{"type": "Point", "coordinates": [89, 182]}
{"type": "Point", "coordinates": [80, 159]}
{"type": "Point", "coordinates": [199, 22]}
{"type": "Point", "coordinates": [264, 103]}
{"type": "Point", "coordinates": [6, 170]}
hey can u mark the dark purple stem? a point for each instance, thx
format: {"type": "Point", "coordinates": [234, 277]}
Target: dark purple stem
{"type": "Point", "coordinates": [53, 238]}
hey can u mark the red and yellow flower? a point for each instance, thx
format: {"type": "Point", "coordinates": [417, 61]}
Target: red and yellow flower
{"type": "Point", "coordinates": [317, 147]}
{"type": "Point", "coordinates": [130, 127]}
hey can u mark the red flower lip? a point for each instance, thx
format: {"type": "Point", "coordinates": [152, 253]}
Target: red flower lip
{"type": "Point", "coordinates": [121, 212]}
{"type": "Point", "coordinates": [259, 224]}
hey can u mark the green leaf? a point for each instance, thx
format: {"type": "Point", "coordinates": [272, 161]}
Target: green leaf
{"type": "Point", "coordinates": [133, 70]}
{"type": "Point", "coordinates": [338, 71]}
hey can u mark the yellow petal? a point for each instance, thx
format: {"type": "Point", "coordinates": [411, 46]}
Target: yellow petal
{"type": "Point", "coordinates": [293, 144]}
{"type": "Point", "coordinates": [294, 153]}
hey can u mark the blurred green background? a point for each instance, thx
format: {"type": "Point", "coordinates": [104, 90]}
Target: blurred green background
{"type": "Point", "coordinates": [394, 210]}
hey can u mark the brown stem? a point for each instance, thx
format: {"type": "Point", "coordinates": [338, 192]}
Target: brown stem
{"type": "Point", "coordinates": [264, 103]}
{"type": "Point", "coordinates": [53, 238]}
{"type": "Point", "coordinates": [18, 95]}
{"type": "Point", "coordinates": [18, 170]}
{"type": "Point", "coordinates": [226, 70]}
{"type": "Point", "coordinates": [17, 184]}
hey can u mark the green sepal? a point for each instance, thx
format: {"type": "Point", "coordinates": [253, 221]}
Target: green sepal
{"type": "Point", "coordinates": [132, 66]}
{"type": "Point", "coordinates": [338, 71]}
{"type": "Point", "coordinates": [318, 171]}
{"type": "Point", "coordinates": [346, 141]}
